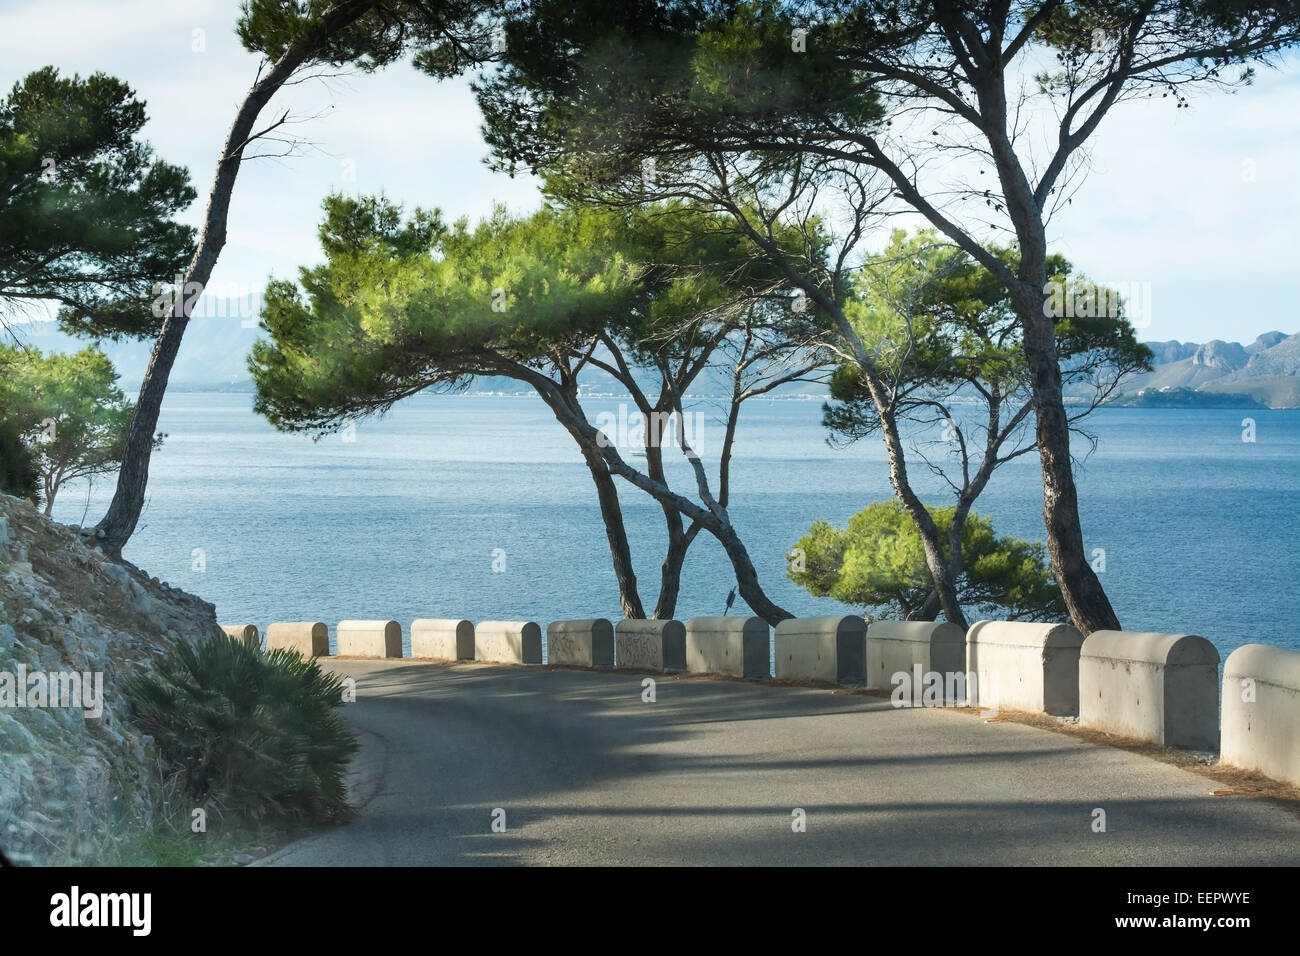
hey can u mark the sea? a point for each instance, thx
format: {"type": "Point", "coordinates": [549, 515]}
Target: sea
{"type": "Point", "coordinates": [481, 507]}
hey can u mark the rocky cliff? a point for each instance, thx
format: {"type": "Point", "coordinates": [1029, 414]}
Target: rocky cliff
{"type": "Point", "coordinates": [74, 784]}
{"type": "Point", "coordinates": [1228, 356]}
{"type": "Point", "coordinates": [1267, 370]}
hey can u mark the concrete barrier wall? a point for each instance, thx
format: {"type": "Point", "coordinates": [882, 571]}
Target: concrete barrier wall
{"type": "Point", "coordinates": [650, 645]}
{"type": "Point", "coordinates": [308, 638]}
{"type": "Point", "coordinates": [737, 646]}
{"type": "Point", "coordinates": [369, 639]}
{"type": "Point", "coordinates": [1157, 687]}
{"type": "Point", "coordinates": [588, 643]}
{"type": "Point", "coordinates": [1024, 666]}
{"type": "Point", "coordinates": [442, 639]}
{"type": "Point", "coordinates": [831, 649]}
{"type": "Point", "coordinates": [894, 646]}
{"type": "Point", "coordinates": [243, 632]}
{"type": "Point", "coordinates": [508, 642]}
{"type": "Point", "coordinates": [1261, 711]}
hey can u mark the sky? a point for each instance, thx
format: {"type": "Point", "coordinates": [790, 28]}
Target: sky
{"type": "Point", "coordinates": [1197, 210]}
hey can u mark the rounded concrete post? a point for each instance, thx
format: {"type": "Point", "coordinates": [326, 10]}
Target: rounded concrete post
{"type": "Point", "coordinates": [650, 645]}
{"type": "Point", "coordinates": [735, 646]}
{"type": "Point", "coordinates": [1261, 711]}
{"type": "Point", "coordinates": [243, 632]}
{"type": "Point", "coordinates": [369, 639]}
{"type": "Point", "coordinates": [830, 649]}
{"type": "Point", "coordinates": [308, 638]}
{"type": "Point", "coordinates": [508, 642]}
{"type": "Point", "coordinates": [1163, 688]}
{"type": "Point", "coordinates": [1020, 665]}
{"type": "Point", "coordinates": [586, 643]}
{"type": "Point", "coordinates": [442, 639]}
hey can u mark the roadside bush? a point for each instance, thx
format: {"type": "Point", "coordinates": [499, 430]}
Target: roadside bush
{"type": "Point", "coordinates": [250, 732]}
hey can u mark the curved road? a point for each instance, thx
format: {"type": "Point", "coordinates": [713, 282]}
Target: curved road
{"type": "Point", "coordinates": [587, 772]}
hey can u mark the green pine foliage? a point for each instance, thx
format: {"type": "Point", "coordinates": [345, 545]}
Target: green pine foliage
{"type": "Point", "coordinates": [877, 563]}
{"type": "Point", "coordinates": [68, 411]}
{"type": "Point", "coordinates": [85, 207]}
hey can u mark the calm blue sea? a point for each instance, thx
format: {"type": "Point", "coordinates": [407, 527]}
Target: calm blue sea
{"type": "Point", "coordinates": [1198, 526]}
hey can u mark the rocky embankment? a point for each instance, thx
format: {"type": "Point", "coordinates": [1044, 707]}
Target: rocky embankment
{"type": "Point", "coordinates": [75, 787]}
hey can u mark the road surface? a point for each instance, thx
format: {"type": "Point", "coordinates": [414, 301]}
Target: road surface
{"type": "Point", "coordinates": [581, 770]}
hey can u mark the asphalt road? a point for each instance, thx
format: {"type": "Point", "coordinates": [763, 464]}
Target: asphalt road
{"type": "Point", "coordinates": [587, 772]}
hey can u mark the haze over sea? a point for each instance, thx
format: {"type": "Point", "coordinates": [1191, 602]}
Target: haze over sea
{"type": "Point", "coordinates": [403, 521]}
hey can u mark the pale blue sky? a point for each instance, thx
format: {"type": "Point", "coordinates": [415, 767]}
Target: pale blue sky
{"type": "Point", "coordinates": [1166, 203]}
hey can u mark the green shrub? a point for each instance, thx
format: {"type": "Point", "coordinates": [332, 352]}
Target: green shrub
{"type": "Point", "coordinates": [878, 563]}
{"type": "Point", "coordinates": [250, 732]}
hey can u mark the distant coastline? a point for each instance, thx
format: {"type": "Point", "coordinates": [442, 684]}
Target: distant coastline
{"type": "Point", "coordinates": [1146, 398]}
{"type": "Point", "coordinates": [1217, 374]}
{"type": "Point", "coordinates": [1185, 398]}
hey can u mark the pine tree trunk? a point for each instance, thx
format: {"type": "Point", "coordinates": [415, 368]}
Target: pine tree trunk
{"type": "Point", "coordinates": [118, 523]}
{"type": "Point", "coordinates": [747, 577]}
{"type": "Point", "coordinates": [616, 533]}
{"type": "Point", "coordinates": [928, 611]}
{"type": "Point", "coordinates": [1086, 600]}
{"type": "Point", "coordinates": [716, 524]}
{"type": "Point", "coordinates": [679, 538]}
{"type": "Point", "coordinates": [940, 572]}
{"type": "Point", "coordinates": [1089, 608]}
{"type": "Point", "coordinates": [670, 573]}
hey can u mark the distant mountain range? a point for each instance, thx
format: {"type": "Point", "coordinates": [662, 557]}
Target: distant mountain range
{"type": "Point", "coordinates": [215, 352]}
{"type": "Point", "coordinates": [1267, 371]}
{"type": "Point", "coordinates": [213, 355]}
